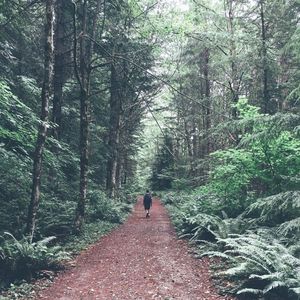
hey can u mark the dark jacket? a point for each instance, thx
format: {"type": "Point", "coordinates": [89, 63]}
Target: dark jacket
{"type": "Point", "coordinates": [147, 201]}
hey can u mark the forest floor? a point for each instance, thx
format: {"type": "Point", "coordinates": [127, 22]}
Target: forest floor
{"type": "Point", "coordinates": [142, 259]}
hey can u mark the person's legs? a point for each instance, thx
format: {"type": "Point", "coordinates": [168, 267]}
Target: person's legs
{"type": "Point", "coordinates": [147, 213]}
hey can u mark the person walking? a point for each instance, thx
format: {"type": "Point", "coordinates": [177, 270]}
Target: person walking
{"type": "Point", "coordinates": [147, 203]}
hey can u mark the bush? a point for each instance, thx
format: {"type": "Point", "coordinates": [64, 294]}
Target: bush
{"type": "Point", "coordinates": [264, 267]}
{"type": "Point", "coordinates": [260, 247]}
{"type": "Point", "coordinates": [22, 259]}
{"type": "Point", "coordinates": [102, 208]}
{"type": "Point", "coordinates": [275, 209]}
{"type": "Point", "coordinates": [56, 217]}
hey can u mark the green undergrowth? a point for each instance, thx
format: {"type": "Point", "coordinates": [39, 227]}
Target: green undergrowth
{"type": "Point", "coordinates": [91, 234]}
{"type": "Point", "coordinates": [73, 245]}
{"type": "Point", "coordinates": [22, 262]}
{"type": "Point", "coordinates": [22, 290]}
{"type": "Point", "coordinates": [258, 251]}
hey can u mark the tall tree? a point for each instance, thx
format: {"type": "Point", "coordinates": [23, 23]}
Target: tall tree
{"type": "Point", "coordinates": [42, 133]}
{"type": "Point", "coordinates": [130, 84]}
{"type": "Point", "coordinates": [63, 49]}
{"type": "Point", "coordinates": [264, 59]}
{"type": "Point", "coordinates": [114, 131]}
{"type": "Point", "coordinates": [83, 75]}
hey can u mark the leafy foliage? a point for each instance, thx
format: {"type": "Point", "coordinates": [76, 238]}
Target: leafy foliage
{"type": "Point", "coordinates": [290, 230]}
{"type": "Point", "coordinates": [267, 267]}
{"type": "Point", "coordinates": [17, 132]}
{"type": "Point", "coordinates": [265, 161]}
{"type": "Point", "coordinates": [103, 208]}
{"type": "Point", "coordinates": [161, 171]}
{"type": "Point", "coordinates": [17, 127]}
{"type": "Point", "coordinates": [21, 259]}
{"type": "Point", "coordinates": [275, 209]}
{"type": "Point", "coordinates": [260, 246]}
{"type": "Point", "coordinates": [91, 234]}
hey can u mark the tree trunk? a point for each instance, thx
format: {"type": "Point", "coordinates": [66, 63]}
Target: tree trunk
{"type": "Point", "coordinates": [84, 158]}
{"type": "Point", "coordinates": [83, 79]}
{"type": "Point", "coordinates": [234, 85]}
{"type": "Point", "coordinates": [42, 132]}
{"type": "Point", "coordinates": [114, 133]}
{"type": "Point", "coordinates": [189, 147]}
{"type": "Point", "coordinates": [206, 55]}
{"type": "Point", "coordinates": [86, 49]}
{"type": "Point", "coordinates": [265, 75]}
{"type": "Point", "coordinates": [59, 62]}
{"type": "Point", "coordinates": [119, 173]}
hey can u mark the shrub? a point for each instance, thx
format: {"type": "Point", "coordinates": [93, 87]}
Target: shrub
{"type": "Point", "coordinates": [266, 267]}
{"type": "Point", "coordinates": [260, 247]}
{"type": "Point", "coordinates": [275, 209]}
{"type": "Point", "coordinates": [20, 259]}
{"type": "Point", "coordinates": [102, 208]}
{"type": "Point", "coordinates": [290, 230]}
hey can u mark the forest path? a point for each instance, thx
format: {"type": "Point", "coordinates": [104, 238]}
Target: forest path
{"type": "Point", "coordinates": [142, 259]}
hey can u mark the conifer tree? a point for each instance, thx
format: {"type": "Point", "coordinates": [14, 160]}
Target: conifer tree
{"type": "Point", "coordinates": [43, 127]}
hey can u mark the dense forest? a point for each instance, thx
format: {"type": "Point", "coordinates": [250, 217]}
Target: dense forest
{"type": "Point", "coordinates": [198, 100]}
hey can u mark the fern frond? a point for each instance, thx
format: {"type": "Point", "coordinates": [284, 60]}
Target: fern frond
{"type": "Point", "coordinates": [273, 209]}
{"type": "Point", "coordinates": [256, 292]}
{"type": "Point", "coordinates": [296, 290]}
{"type": "Point", "coordinates": [295, 249]}
{"type": "Point", "coordinates": [256, 263]}
{"type": "Point", "coordinates": [290, 228]}
{"type": "Point", "coordinates": [46, 240]}
{"type": "Point", "coordinates": [185, 235]}
{"type": "Point", "coordinates": [273, 285]}
{"type": "Point", "coordinates": [29, 257]}
{"type": "Point", "coordinates": [272, 276]}
{"type": "Point", "coordinates": [207, 243]}
{"type": "Point", "coordinates": [10, 235]}
{"type": "Point", "coordinates": [292, 282]}
{"type": "Point", "coordinates": [216, 254]}
{"type": "Point", "coordinates": [237, 271]}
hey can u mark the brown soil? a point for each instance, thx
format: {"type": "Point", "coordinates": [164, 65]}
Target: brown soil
{"type": "Point", "coordinates": [142, 259]}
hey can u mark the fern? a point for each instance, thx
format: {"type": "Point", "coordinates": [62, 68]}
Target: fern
{"type": "Point", "coordinates": [290, 229]}
{"type": "Point", "coordinates": [21, 259]}
{"type": "Point", "coordinates": [260, 247]}
{"type": "Point", "coordinates": [204, 227]}
{"type": "Point", "coordinates": [296, 291]}
{"type": "Point", "coordinates": [238, 271]}
{"type": "Point", "coordinates": [295, 249]}
{"type": "Point", "coordinates": [256, 292]}
{"type": "Point", "coordinates": [275, 209]}
{"type": "Point", "coordinates": [257, 260]}
{"type": "Point", "coordinates": [216, 254]}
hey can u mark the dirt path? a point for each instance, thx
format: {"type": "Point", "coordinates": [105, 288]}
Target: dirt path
{"type": "Point", "coordinates": [142, 259]}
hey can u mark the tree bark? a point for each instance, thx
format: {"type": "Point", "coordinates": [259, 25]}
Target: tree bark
{"type": "Point", "coordinates": [114, 133]}
{"type": "Point", "coordinates": [59, 62]}
{"type": "Point", "coordinates": [119, 172]}
{"type": "Point", "coordinates": [234, 85]}
{"type": "Point", "coordinates": [83, 79]}
{"type": "Point", "coordinates": [83, 74]}
{"type": "Point", "coordinates": [206, 55]}
{"type": "Point", "coordinates": [189, 147]}
{"type": "Point", "coordinates": [265, 75]}
{"type": "Point", "coordinates": [84, 158]}
{"type": "Point", "coordinates": [42, 132]}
